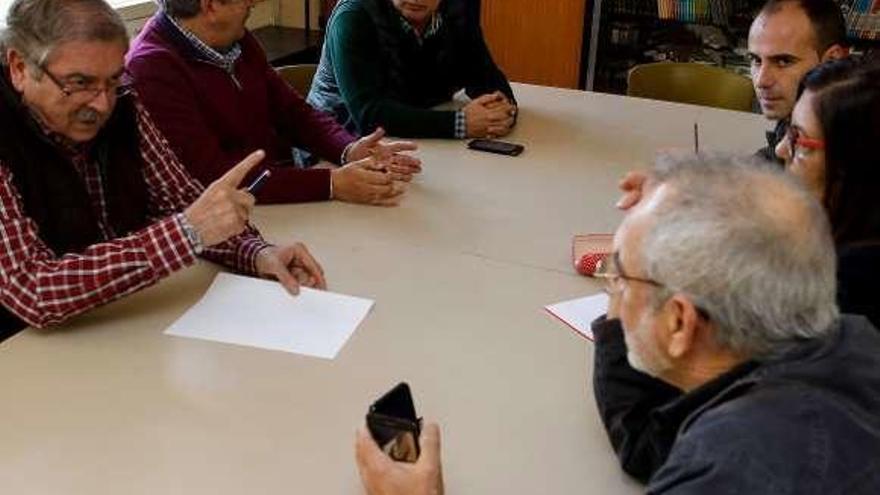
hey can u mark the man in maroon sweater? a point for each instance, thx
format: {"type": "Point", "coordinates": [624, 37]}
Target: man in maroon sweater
{"type": "Point", "coordinates": [206, 82]}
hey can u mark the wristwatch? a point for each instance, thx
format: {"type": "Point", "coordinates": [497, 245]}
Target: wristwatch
{"type": "Point", "coordinates": [190, 233]}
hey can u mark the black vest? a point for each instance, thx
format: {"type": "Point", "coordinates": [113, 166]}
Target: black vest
{"type": "Point", "coordinates": [428, 74]}
{"type": "Point", "coordinates": [54, 195]}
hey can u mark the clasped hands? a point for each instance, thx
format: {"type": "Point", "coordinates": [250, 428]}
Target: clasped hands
{"type": "Point", "coordinates": [376, 172]}
{"type": "Point", "coordinates": [489, 116]}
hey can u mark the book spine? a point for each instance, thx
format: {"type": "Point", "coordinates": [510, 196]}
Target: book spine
{"type": "Point", "coordinates": [874, 20]}
{"type": "Point", "coordinates": [849, 8]}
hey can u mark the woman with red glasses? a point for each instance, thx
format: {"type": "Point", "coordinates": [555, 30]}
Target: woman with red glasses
{"type": "Point", "coordinates": [831, 146]}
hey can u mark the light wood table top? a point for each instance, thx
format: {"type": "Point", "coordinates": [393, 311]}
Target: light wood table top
{"type": "Point", "coordinates": [460, 272]}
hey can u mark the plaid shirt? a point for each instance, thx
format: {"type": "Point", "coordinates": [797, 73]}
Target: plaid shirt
{"type": "Point", "coordinates": [225, 61]}
{"type": "Point", "coordinates": [43, 288]}
{"type": "Point", "coordinates": [432, 29]}
{"type": "Point", "coordinates": [460, 125]}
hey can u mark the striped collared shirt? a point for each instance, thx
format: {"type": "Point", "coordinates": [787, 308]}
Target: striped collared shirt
{"type": "Point", "coordinates": [225, 60]}
{"type": "Point", "coordinates": [433, 27]}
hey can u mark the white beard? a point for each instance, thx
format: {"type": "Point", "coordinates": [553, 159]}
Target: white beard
{"type": "Point", "coordinates": [641, 350]}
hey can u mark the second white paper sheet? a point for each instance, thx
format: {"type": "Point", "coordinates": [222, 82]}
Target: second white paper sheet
{"type": "Point", "coordinates": [260, 313]}
{"type": "Point", "coordinates": [580, 313]}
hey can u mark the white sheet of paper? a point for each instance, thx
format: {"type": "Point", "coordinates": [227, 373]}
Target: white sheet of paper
{"type": "Point", "coordinates": [579, 313]}
{"type": "Point", "coordinates": [260, 313]}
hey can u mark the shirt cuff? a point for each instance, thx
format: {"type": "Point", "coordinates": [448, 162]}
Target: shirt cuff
{"type": "Point", "coordinates": [167, 247]}
{"type": "Point", "coordinates": [460, 125]}
{"type": "Point", "coordinates": [248, 252]}
{"type": "Point", "coordinates": [330, 196]}
{"type": "Point", "coordinates": [343, 159]}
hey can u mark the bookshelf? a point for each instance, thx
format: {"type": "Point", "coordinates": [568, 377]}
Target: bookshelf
{"type": "Point", "coordinates": [862, 19]}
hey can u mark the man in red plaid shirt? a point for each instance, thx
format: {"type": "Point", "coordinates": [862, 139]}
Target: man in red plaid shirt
{"type": "Point", "coordinates": [93, 204]}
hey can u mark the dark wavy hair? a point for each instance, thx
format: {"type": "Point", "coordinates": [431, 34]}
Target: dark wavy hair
{"type": "Point", "coordinates": [847, 105]}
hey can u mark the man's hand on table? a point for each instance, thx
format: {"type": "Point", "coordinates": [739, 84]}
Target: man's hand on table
{"type": "Point", "coordinates": [392, 155]}
{"type": "Point", "coordinates": [293, 266]}
{"type": "Point", "coordinates": [489, 116]}
{"type": "Point", "coordinates": [366, 181]}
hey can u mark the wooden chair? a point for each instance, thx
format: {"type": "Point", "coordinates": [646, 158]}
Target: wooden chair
{"type": "Point", "coordinates": [299, 76]}
{"type": "Point", "coordinates": [697, 84]}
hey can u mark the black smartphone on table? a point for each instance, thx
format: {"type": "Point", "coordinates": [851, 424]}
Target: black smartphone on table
{"type": "Point", "coordinates": [393, 424]}
{"type": "Point", "coordinates": [494, 146]}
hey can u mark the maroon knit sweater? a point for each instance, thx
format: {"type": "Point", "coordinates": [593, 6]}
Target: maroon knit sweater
{"type": "Point", "coordinates": [213, 120]}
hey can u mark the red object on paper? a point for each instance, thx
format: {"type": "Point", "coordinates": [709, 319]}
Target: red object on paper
{"type": "Point", "coordinates": [588, 249]}
{"type": "Point", "coordinates": [588, 263]}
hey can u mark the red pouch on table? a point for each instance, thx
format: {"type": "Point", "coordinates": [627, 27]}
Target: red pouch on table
{"type": "Point", "coordinates": [588, 249]}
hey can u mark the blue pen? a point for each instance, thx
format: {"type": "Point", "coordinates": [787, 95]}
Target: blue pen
{"type": "Point", "coordinates": [259, 181]}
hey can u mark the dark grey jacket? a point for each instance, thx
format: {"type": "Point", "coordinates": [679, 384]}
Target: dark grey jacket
{"type": "Point", "coordinates": [807, 422]}
{"type": "Point", "coordinates": [773, 138]}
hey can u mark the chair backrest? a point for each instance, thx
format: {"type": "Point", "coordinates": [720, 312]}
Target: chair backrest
{"type": "Point", "coordinates": [299, 76]}
{"type": "Point", "coordinates": [697, 84]}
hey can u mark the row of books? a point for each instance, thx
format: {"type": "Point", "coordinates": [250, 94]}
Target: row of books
{"type": "Point", "coordinates": [710, 11]}
{"type": "Point", "coordinates": [683, 10]}
{"type": "Point", "coordinates": [862, 18]}
{"type": "Point", "coordinates": [646, 8]}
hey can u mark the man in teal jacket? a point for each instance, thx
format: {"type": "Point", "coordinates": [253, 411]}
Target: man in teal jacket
{"type": "Point", "coordinates": [386, 63]}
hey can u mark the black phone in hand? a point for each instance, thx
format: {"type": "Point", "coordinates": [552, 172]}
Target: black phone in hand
{"type": "Point", "coordinates": [393, 424]}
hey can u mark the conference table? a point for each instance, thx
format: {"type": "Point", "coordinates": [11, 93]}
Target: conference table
{"type": "Point", "coordinates": [460, 272]}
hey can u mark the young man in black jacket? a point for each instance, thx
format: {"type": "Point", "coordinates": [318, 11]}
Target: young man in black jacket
{"type": "Point", "coordinates": [787, 39]}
